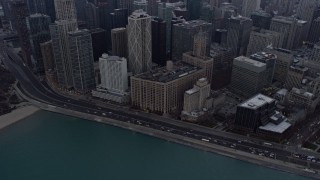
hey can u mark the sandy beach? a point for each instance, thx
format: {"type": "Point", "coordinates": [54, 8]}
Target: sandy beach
{"type": "Point", "coordinates": [17, 115]}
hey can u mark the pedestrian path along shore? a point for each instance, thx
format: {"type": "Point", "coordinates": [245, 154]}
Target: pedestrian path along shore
{"type": "Point", "coordinates": [17, 115]}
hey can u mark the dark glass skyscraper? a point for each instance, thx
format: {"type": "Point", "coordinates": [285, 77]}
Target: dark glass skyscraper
{"type": "Point", "coordinates": [81, 57]}
{"type": "Point", "coordinates": [183, 37]}
{"type": "Point", "coordinates": [193, 7]}
{"type": "Point", "coordinates": [19, 12]}
{"type": "Point", "coordinates": [38, 26]}
{"type": "Point", "coordinates": [239, 34]}
{"type": "Point", "coordinates": [119, 18]}
{"type": "Point", "coordinates": [158, 27]}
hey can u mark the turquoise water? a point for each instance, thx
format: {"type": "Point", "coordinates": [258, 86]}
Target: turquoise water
{"type": "Point", "coordinates": [48, 146]}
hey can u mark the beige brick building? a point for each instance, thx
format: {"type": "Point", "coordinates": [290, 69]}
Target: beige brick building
{"type": "Point", "coordinates": [162, 90]}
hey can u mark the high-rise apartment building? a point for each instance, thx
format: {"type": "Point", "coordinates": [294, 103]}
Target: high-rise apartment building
{"type": "Point", "coordinates": [119, 40]}
{"type": "Point", "coordinates": [239, 34]}
{"type": "Point", "coordinates": [19, 12]}
{"type": "Point", "coordinates": [249, 6]}
{"type": "Point", "coordinates": [65, 22]}
{"type": "Point", "coordinates": [81, 58]}
{"type": "Point", "coordinates": [283, 63]}
{"type": "Point", "coordinates": [294, 31]}
{"type": "Point", "coordinates": [59, 35]}
{"type": "Point", "coordinates": [270, 61]}
{"type": "Point", "coordinates": [261, 39]}
{"type": "Point", "coordinates": [65, 9]}
{"type": "Point", "coordinates": [38, 27]}
{"type": "Point", "coordinates": [139, 42]}
{"type": "Point", "coordinates": [183, 37]}
{"type": "Point", "coordinates": [159, 51]}
{"type": "Point", "coordinates": [114, 79]}
{"type": "Point", "coordinates": [249, 77]}
{"type": "Point", "coordinates": [147, 89]}
{"type": "Point", "coordinates": [114, 75]}
{"type": "Point", "coordinates": [314, 33]}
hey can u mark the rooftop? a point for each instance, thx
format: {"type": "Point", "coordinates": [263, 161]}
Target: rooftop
{"type": "Point", "coordinates": [247, 63]}
{"type": "Point", "coordinates": [280, 128]}
{"type": "Point", "coordinates": [192, 24]}
{"type": "Point", "coordinates": [192, 91]}
{"type": "Point", "coordinates": [139, 14]}
{"type": "Point", "coordinates": [264, 56]}
{"type": "Point", "coordinates": [257, 101]}
{"type": "Point", "coordinates": [163, 75]}
{"type": "Point", "coordinates": [261, 12]}
{"type": "Point", "coordinates": [303, 93]}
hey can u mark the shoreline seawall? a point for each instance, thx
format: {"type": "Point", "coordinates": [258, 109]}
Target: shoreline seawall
{"type": "Point", "coordinates": [247, 157]}
{"type": "Point", "coordinates": [17, 115]}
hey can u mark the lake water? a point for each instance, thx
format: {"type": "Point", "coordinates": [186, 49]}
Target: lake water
{"type": "Point", "coordinates": [49, 146]}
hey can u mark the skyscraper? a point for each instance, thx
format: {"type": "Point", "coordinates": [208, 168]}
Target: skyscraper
{"type": "Point", "coordinates": [306, 10]}
{"type": "Point", "coordinates": [37, 6]}
{"type": "Point", "coordinates": [92, 16]}
{"type": "Point", "coordinates": [140, 4]}
{"type": "Point", "coordinates": [65, 9]}
{"type": "Point", "coordinates": [99, 43]}
{"type": "Point", "coordinates": [81, 57]}
{"type": "Point", "coordinates": [125, 4]}
{"type": "Point", "coordinates": [66, 22]}
{"type": "Point", "coordinates": [159, 52]}
{"type": "Point", "coordinates": [153, 7]}
{"type": "Point", "coordinates": [19, 12]}
{"type": "Point", "coordinates": [249, 6]}
{"type": "Point", "coordinates": [270, 61]}
{"type": "Point", "coordinates": [239, 34]}
{"type": "Point", "coordinates": [114, 76]}
{"type": "Point", "coordinates": [314, 33]}
{"type": "Point", "coordinates": [38, 26]}
{"type": "Point", "coordinates": [261, 19]}
{"type": "Point", "coordinates": [139, 42]}
{"type": "Point", "coordinates": [119, 39]}
{"type": "Point", "coordinates": [59, 35]}
{"type": "Point", "coordinates": [80, 6]}
{"type": "Point", "coordinates": [119, 18]}
{"type": "Point", "coordinates": [294, 31]}
{"type": "Point", "coordinates": [165, 12]}
{"type": "Point", "coordinates": [248, 76]}
{"type": "Point", "coordinates": [259, 40]}
{"type": "Point", "coordinates": [193, 7]}
{"type": "Point", "coordinates": [183, 37]}
{"type": "Point", "coordinates": [283, 63]}
{"type": "Point", "coordinates": [198, 57]}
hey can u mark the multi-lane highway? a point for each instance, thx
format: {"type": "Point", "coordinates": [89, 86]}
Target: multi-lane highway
{"type": "Point", "coordinates": [33, 88]}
